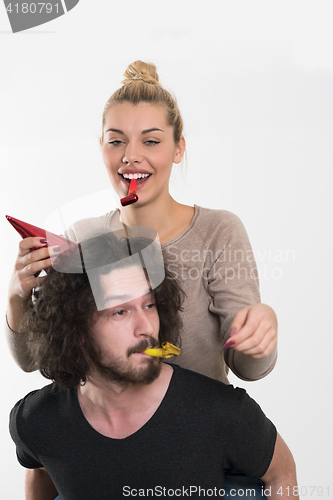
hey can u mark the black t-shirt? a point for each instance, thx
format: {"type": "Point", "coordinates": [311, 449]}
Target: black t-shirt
{"type": "Point", "coordinates": [201, 428]}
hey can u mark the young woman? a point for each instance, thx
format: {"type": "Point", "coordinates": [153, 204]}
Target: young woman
{"type": "Point", "coordinates": [225, 325]}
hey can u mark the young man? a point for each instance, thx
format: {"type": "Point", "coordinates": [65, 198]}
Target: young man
{"type": "Point", "coordinates": [118, 422]}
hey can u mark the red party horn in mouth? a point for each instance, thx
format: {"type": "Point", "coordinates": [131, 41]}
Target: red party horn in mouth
{"type": "Point", "coordinates": [132, 196]}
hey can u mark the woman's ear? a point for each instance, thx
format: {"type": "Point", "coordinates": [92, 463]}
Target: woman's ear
{"type": "Point", "coordinates": [180, 149]}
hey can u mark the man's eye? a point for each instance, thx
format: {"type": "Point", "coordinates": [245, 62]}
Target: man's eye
{"type": "Point", "coordinates": [121, 312]}
{"type": "Point", "coordinates": [150, 306]}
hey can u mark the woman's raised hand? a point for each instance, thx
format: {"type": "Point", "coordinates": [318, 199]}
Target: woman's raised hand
{"type": "Point", "coordinates": [254, 331]}
{"type": "Point", "coordinates": [33, 256]}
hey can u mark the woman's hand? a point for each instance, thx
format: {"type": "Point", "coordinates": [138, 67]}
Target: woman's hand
{"type": "Point", "coordinates": [28, 265]}
{"type": "Point", "coordinates": [254, 331]}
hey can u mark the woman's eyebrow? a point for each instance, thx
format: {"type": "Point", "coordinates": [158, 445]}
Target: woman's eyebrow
{"type": "Point", "coordinates": [151, 130]}
{"type": "Point", "coordinates": [117, 131]}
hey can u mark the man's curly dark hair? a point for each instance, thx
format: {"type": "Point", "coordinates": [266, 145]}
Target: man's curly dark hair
{"type": "Point", "coordinates": [60, 316]}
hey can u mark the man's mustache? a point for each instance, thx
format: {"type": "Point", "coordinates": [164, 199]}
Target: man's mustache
{"type": "Point", "coordinates": [143, 345]}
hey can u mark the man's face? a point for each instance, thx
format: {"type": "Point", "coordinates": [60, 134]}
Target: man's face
{"type": "Point", "coordinates": [127, 327]}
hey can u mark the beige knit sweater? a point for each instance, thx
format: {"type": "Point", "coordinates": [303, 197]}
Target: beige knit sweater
{"type": "Point", "coordinates": [214, 261]}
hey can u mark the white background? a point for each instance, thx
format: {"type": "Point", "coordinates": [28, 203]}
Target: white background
{"type": "Point", "coordinates": [254, 81]}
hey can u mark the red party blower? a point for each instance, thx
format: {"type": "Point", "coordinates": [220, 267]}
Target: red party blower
{"type": "Point", "coordinates": [26, 230]}
{"type": "Point", "coordinates": [132, 196]}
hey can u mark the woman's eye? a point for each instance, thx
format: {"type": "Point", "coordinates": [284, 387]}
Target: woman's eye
{"type": "Point", "coordinates": [114, 142]}
{"type": "Point", "coordinates": [152, 143]}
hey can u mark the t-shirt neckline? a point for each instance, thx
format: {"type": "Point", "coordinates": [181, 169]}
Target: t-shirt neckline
{"type": "Point", "coordinates": [157, 415]}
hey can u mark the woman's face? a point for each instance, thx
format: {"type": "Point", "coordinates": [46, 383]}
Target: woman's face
{"type": "Point", "coordinates": [139, 142]}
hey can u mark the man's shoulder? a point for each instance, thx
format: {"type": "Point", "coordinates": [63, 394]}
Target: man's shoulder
{"type": "Point", "coordinates": [198, 398]}
{"type": "Point", "coordinates": [196, 385]}
{"type": "Point", "coordinates": [37, 404]}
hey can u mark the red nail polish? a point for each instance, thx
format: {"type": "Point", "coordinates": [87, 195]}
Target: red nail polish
{"type": "Point", "coordinates": [43, 240]}
{"type": "Point", "coordinates": [132, 196]}
{"type": "Point", "coordinates": [230, 343]}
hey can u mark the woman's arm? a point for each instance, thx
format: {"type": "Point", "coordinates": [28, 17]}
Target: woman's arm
{"type": "Point", "coordinates": [29, 263]}
{"type": "Point", "coordinates": [39, 485]}
{"type": "Point", "coordinates": [248, 328]}
{"type": "Point", "coordinates": [280, 478]}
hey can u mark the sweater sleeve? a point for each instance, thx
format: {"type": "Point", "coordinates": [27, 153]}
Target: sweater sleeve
{"type": "Point", "coordinates": [233, 284]}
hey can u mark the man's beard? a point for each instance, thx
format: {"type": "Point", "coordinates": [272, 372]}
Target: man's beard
{"type": "Point", "coordinates": [117, 370]}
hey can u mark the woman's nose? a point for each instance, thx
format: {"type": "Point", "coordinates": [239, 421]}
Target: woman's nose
{"type": "Point", "coordinates": [132, 155]}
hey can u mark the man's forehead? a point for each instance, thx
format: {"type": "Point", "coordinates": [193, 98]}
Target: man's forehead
{"type": "Point", "coordinates": [122, 269]}
{"type": "Point", "coordinates": [123, 285]}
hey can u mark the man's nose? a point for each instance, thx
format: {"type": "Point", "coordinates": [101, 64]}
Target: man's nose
{"type": "Point", "coordinates": [143, 324]}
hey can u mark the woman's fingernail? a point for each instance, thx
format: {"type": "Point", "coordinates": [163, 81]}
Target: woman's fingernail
{"type": "Point", "coordinates": [230, 343]}
{"type": "Point", "coordinates": [56, 249]}
{"type": "Point", "coordinates": [233, 331]}
{"type": "Point", "coordinates": [43, 240]}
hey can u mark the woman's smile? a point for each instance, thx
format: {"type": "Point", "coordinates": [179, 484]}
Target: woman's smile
{"type": "Point", "coordinates": [126, 175]}
{"type": "Point", "coordinates": [138, 144]}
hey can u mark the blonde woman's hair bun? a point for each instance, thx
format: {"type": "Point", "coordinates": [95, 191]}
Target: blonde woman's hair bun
{"type": "Point", "coordinates": [140, 70]}
{"type": "Point", "coordinates": [141, 84]}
